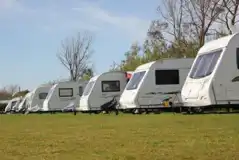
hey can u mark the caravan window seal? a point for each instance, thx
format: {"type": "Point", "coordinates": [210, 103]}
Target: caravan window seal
{"type": "Point", "coordinates": [71, 90]}
{"type": "Point", "coordinates": [111, 90]}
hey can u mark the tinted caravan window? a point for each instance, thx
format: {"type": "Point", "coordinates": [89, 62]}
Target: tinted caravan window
{"type": "Point", "coordinates": [135, 80]}
{"type": "Point", "coordinates": [110, 86]}
{"type": "Point", "coordinates": [80, 91]}
{"type": "Point", "coordinates": [43, 95]}
{"type": "Point", "coordinates": [166, 77]}
{"type": "Point", "coordinates": [205, 65]}
{"type": "Point", "coordinates": [13, 103]}
{"type": "Point", "coordinates": [65, 92]}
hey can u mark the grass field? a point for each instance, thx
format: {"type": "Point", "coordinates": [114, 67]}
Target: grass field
{"type": "Point", "coordinates": [129, 137]}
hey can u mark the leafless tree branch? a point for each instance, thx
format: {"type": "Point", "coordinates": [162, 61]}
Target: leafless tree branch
{"type": "Point", "coordinates": [75, 53]}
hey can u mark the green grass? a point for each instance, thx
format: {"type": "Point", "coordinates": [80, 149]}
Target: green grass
{"type": "Point", "coordinates": [129, 137]}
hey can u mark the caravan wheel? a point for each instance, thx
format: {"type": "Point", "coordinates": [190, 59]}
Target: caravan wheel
{"type": "Point", "coordinates": [97, 112]}
{"type": "Point", "coordinates": [147, 111]}
{"type": "Point", "coordinates": [137, 111]}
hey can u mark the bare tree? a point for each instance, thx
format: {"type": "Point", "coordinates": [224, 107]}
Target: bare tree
{"type": "Point", "coordinates": [115, 66]}
{"type": "Point", "coordinates": [75, 53]}
{"type": "Point", "coordinates": [229, 18]}
{"type": "Point", "coordinates": [177, 31]}
{"type": "Point", "coordinates": [172, 13]}
{"type": "Point", "coordinates": [11, 89]}
{"type": "Point", "coordinates": [202, 14]}
{"type": "Point", "coordinates": [4, 95]}
{"type": "Point", "coordinates": [53, 82]}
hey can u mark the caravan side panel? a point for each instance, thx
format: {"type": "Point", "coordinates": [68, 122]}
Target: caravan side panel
{"type": "Point", "coordinates": [155, 86]}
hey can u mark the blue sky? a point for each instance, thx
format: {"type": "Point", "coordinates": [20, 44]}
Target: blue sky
{"type": "Point", "coordinates": [31, 32]}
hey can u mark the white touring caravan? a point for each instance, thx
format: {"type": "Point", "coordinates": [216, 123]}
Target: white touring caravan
{"type": "Point", "coordinates": [64, 95]}
{"type": "Point", "coordinates": [33, 101]}
{"type": "Point", "coordinates": [153, 82]}
{"type": "Point", "coordinates": [25, 103]}
{"type": "Point", "coordinates": [213, 80]}
{"type": "Point", "coordinates": [13, 104]}
{"type": "Point", "coordinates": [102, 89]}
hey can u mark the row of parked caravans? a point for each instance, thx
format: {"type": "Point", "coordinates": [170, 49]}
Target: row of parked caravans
{"type": "Point", "coordinates": [144, 88]}
{"type": "Point", "coordinates": [211, 79]}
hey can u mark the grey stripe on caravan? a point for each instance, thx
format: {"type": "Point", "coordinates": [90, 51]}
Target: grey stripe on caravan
{"type": "Point", "coordinates": [110, 96]}
{"type": "Point", "coordinates": [176, 92]}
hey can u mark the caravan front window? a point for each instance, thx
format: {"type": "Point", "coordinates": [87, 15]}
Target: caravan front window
{"type": "Point", "coordinates": [13, 103]}
{"type": "Point", "coordinates": [42, 95]}
{"type": "Point", "coordinates": [88, 88]}
{"type": "Point", "coordinates": [205, 65]}
{"type": "Point", "coordinates": [135, 80]}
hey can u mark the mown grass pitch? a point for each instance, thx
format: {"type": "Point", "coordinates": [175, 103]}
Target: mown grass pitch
{"type": "Point", "coordinates": [129, 137]}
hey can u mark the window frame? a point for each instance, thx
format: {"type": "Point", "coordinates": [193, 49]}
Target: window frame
{"type": "Point", "coordinates": [59, 91]}
{"type": "Point", "coordinates": [102, 84]}
{"type": "Point", "coordinates": [163, 70]}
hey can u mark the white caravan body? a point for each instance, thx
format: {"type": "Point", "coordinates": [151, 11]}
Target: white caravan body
{"type": "Point", "coordinates": [101, 89]}
{"type": "Point", "coordinates": [214, 76]}
{"type": "Point", "coordinates": [152, 82]}
{"type": "Point", "coordinates": [64, 95]}
{"type": "Point", "coordinates": [13, 104]}
{"type": "Point", "coordinates": [33, 101]}
{"type": "Point", "coordinates": [25, 103]}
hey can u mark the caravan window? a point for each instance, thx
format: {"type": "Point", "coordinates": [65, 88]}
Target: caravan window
{"type": "Point", "coordinates": [65, 92]}
{"type": "Point", "coordinates": [237, 58]}
{"type": "Point", "coordinates": [88, 88]}
{"type": "Point", "coordinates": [166, 77]}
{"type": "Point", "coordinates": [135, 80]}
{"type": "Point", "coordinates": [13, 103]}
{"type": "Point", "coordinates": [205, 65]}
{"type": "Point", "coordinates": [80, 91]}
{"type": "Point", "coordinates": [110, 86]}
{"type": "Point", "coordinates": [42, 95]}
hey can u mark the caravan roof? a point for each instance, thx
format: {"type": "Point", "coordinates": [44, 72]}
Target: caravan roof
{"type": "Point", "coordinates": [166, 63]}
{"type": "Point", "coordinates": [216, 44]}
{"type": "Point", "coordinates": [128, 74]}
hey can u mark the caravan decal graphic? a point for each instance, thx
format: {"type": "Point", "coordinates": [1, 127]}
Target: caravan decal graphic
{"type": "Point", "coordinates": [153, 93]}
{"type": "Point", "coordinates": [167, 94]}
{"type": "Point", "coordinates": [104, 96]}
